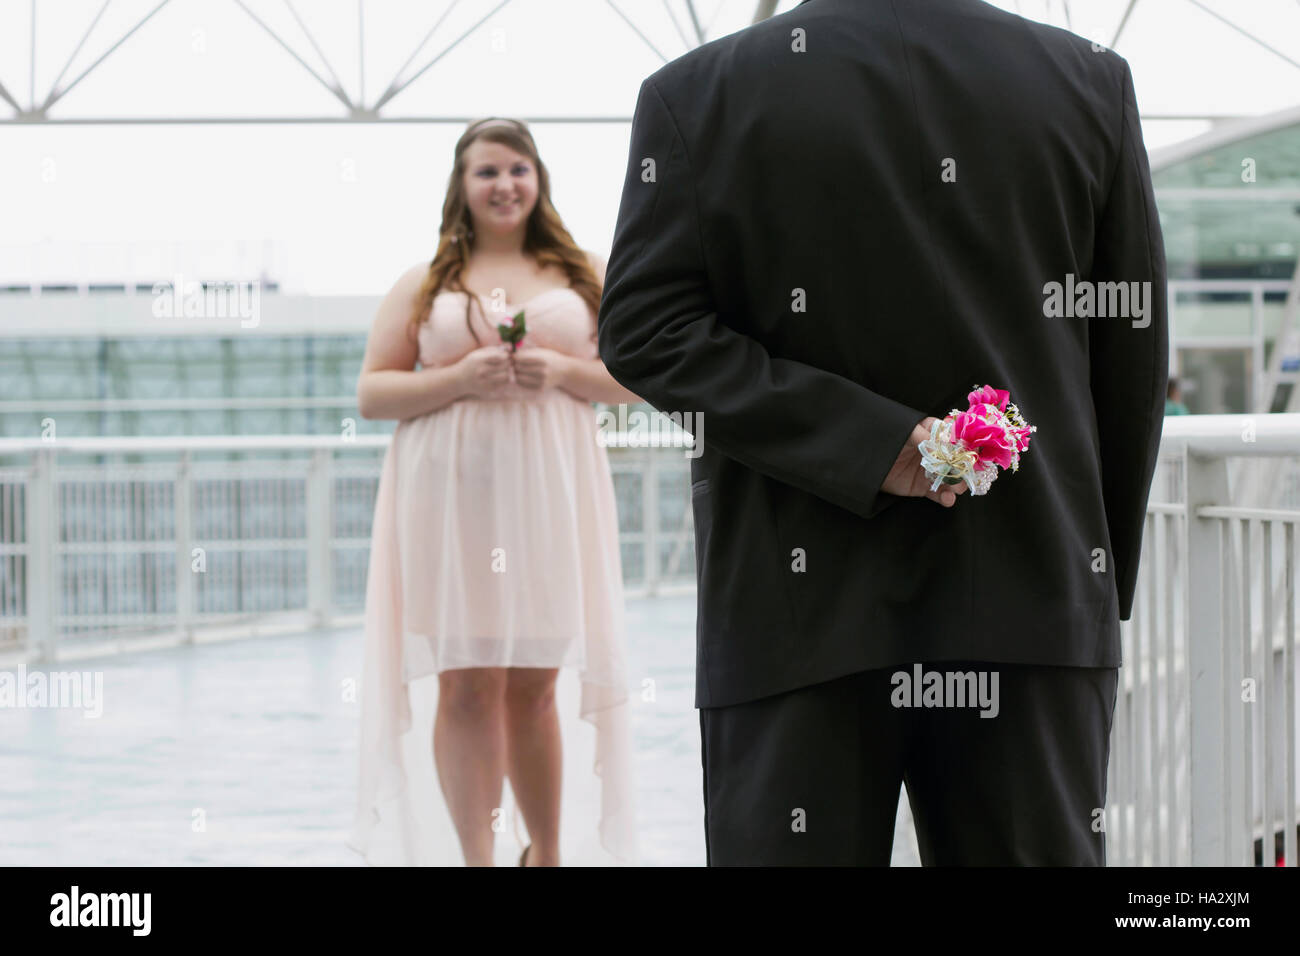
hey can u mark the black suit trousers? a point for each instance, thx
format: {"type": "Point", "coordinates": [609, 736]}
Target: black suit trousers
{"type": "Point", "coordinates": [812, 776]}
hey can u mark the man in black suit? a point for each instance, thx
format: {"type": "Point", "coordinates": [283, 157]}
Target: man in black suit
{"type": "Point", "coordinates": [834, 225]}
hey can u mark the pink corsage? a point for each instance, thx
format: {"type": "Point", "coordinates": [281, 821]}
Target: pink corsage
{"type": "Point", "coordinates": [973, 444]}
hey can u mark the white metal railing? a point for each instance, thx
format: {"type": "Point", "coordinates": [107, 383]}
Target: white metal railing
{"type": "Point", "coordinates": [148, 540]}
{"type": "Point", "coordinates": [1203, 749]}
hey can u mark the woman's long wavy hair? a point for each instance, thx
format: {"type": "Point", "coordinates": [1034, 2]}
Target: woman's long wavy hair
{"type": "Point", "coordinates": [545, 239]}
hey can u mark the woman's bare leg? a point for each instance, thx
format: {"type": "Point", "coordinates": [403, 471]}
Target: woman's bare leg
{"type": "Point", "coordinates": [469, 751]}
{"type": "Point", "coordinates": [534, 757]}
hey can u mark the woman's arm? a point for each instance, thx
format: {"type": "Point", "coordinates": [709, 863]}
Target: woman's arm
{"type": "Point", "coordinates": [588, 379]}
{"type": "Point", "coordinates": [389, 387]}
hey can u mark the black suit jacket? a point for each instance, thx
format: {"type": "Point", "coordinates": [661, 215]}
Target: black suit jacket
{"type": "Point", "coordinates": [792, 261]}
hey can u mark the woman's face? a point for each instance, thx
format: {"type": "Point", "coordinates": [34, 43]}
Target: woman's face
{"type": "Point", "coordinates": [500, 187]}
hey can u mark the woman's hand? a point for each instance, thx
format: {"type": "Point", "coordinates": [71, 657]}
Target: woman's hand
{"type": "Point", "coordinates": [540, 367]}
{"type": "Point", "coordinates": [485, 370]}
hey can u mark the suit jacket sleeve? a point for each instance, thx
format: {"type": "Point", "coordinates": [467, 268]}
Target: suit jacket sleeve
{"type": "Point", "coordinates": [660, 336]}
{"type": "Point", "coordinates": [1129, 366]}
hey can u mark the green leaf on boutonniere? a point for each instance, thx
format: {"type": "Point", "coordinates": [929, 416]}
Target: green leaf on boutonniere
{"type": "Point", "coordinates": [513, 332]}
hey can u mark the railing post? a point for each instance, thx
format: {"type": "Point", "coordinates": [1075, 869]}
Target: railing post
{"type": "Point", "coordinates": [650, 517]}
{"type": "Point", "coordinates": [184, 494]}
{"type": "Point", "coordinates": [43, 585]}
{"type": "Point", "coordinates": [1206, 483]}
{"type": "Point", "coordinates": [319, 521]}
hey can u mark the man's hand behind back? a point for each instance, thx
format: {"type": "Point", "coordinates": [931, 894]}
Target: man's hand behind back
{"type": "Point", "coordinates": [908, 479]}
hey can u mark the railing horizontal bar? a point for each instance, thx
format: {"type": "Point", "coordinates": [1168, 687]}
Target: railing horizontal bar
{"type": "Point", "coordinates": [1231, 435]}
{"type": "Point", "coordinates": [168, 546]}
{"type": "Point", "coordinates": [156, 621]}
{"type": "Point", "coordinates": [214, 443]}
{"type": "Point", "coordinates": [93, 405]}
{"type": "Point", "coordinates": [1229, 285]}
{"type": "Point", "coordinates": [667, 437]}
{"type": "Point", "coordinates": [1263, 514]}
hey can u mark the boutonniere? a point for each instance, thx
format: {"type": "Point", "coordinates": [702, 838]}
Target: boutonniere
{"type": "Point", "coordinates": [974, 443]}
{"type": "Point", "coordinates": [513, 332]}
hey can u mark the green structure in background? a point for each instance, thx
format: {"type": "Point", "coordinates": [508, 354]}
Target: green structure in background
{"type": "Point", "coordinates": [1230, 210]}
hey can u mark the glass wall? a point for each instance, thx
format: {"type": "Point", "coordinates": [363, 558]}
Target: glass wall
{"type": "Point", "coordinates": [176, 385]}
{"type": "Point", "coordinates": [1230, 215]}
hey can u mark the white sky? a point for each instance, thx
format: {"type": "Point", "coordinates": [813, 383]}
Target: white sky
{"type": "Point", "coordinates": [345, 208]}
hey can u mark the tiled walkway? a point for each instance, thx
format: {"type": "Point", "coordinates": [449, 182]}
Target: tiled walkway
{"type": "Point", "coordinates": [244, 753]}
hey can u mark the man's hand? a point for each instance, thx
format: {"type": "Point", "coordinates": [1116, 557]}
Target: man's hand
{"type": "Point", "coordinates": [908, 479]}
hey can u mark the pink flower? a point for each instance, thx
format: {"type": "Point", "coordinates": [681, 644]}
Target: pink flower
{"type": "Point", "coordinates": [989, 440]}
{"type": "Point", "coordinates": [988, 395]}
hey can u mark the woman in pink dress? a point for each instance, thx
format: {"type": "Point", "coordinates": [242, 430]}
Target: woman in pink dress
{"type": "Point", "coordinates": [494, 693]}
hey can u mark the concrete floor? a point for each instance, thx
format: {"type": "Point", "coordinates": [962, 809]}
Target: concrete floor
{"type": "Point", "coordinates": [244, 753]}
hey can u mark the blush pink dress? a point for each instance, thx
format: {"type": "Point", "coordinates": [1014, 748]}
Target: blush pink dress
{"type": "Point", "coordinates": [495, 544]}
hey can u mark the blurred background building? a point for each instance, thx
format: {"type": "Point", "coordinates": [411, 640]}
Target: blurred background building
{"type": "Point", "coordinates": [1229, 205]}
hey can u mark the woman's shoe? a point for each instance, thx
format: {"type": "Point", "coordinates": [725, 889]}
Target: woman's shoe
{"type": "Point", "coordinates": [523, 856]}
